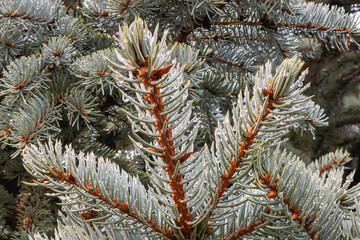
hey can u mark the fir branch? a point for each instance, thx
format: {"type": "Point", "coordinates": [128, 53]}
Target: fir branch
{"type": "Point", "coordinates": [11, 45]}
{"type": "Point", "coordinates": [165, 140]}
{"type": "Point", "coordinates": [69, 229]}
{"type": "Point", "coordinates": [303, 193]}
{"type": "Point", "coordinates": [273, 91]}
{"type": "Point", "coordinates": [270, 6]}
{"type": "Point", "coordinates": [58, 51]}
{"type": "Point", "coordinates": [22, 78]}
{"type": "Point", "coordinates": [96, 73]}
{"type": "Point", "coordinates": [74, 176]}
{"type": "Point", "coordinates": [352, 226]}
{"type": "Point", "coordinates": [252, 121]}
{"type": "Point", "coordinates": [33, 210]}
{"type": "Point", "coordinates": [251, 227]}
{"type": "Point", "coordinates": [330, 161]}
{"type": "Point", "coordinates": [102, 150]}
{"type": "Point", "coordinates": [192, 194]}
{"type": "Point", "coordinates": [6, 203]}
{"type": "Point", "coordinates": [72, 28]}
{"type": "Point", "coordinates": [40, 12]}
{"type": "Point", "coordinates": [160, 92]}
{"type": "Point", "coordinates": [241, 66]}
{"type": "Point", "coordinates": [113, 9]}
{"type": "Point", "coordinates": [226, 36]}
{"type": "Point", "coordinates": [294, 211]}
{"type": "Point", "coordinates": [80, 105]}
{"type": "Point", "coordinates": [237, 65]}
{"type": "Point", "coordinates": [36, 120]}
{"type": "Point", "coordinates": [257, 219]}
{"type": "Point", "coordinates": [283, 51]}
{"type": "Point", "coordinates": [121, 5]}
{"type": "Point", "coordinates": [305, 23]}
{"type": "Point", "coordinates": [94, 9]}
{"type": "Point", "coordinates": [249, 140]}
{"type": "Point", "coordinates": [123, 207]}
{"type": "Point", "coordinates": [202, 22]}
{"type": "Point", "coordinates": [13, 14]}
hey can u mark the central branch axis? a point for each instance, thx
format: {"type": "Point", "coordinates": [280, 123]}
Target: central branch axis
{"type": "Point", "coordinates": [164, 141]}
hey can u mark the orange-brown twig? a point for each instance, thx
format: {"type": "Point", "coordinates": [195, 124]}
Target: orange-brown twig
{"type": "Point", "coordinates": [295, 212]}
{"type": "Point", "coordinates": [165, 142]}
{"type": "Point", "coordinates": [29, 17]}
{"type": "Point", "coordinates": [241, 65]}
{"type": "Point", "coordinates": [351, 75]}
{"type": "Point", "coordinates": [121, 206]}
{"type": "Point", "coordinates": [246, 229]}
{"type": "Point", "coordinates": [244, 146]}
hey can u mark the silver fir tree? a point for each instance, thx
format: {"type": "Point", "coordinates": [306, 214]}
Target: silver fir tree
{"type": "Point", "coordinates": [207, 91]}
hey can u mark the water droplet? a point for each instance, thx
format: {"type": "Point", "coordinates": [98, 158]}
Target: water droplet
{"type": "Point", "coordinates": [125, 98]}
{"type": "Point", "coordinates": [137, 151]}
{"type": "Point", "coordinates": [147, 166]}
{"type": "Point", "coordinates": [134, 128]}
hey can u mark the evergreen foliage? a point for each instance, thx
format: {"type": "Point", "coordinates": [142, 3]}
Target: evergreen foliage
{"type": "Point", "coordinates": [208, 92]}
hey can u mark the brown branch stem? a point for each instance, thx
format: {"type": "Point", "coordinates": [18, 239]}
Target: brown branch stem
{"type": "Point", "coordinates": [121, 206]}
{"type": "Point", "coordinates": [295, 212]}
{"type": "Point", "coordinates": [351, 75]}
{"type": "Point", "coordinates": [241, 65]}
{"type": "Point", "coordinates": [246, 230]}
{"type": "Point", "coordinates": [244, 146]}
{"type": "Point", "coordinates": [227, 36]}
{"type": "Point", "coordinates": [268, 24]}
{"type": "Point", "coordinates": [29, 17]}
{"type": "Point", "coordinates": [336, 161]}
{"type": "Point", "coordinates": [165, 142]}
{"type": "Point", "coordinates": [283, 52]}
